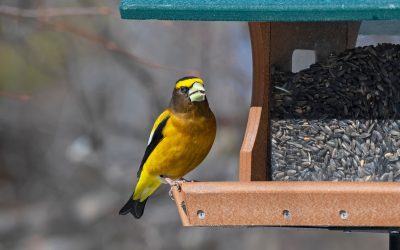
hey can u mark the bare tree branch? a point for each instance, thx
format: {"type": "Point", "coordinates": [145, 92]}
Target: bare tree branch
{"type": "Point", "coordinates": [42, 16]}
{"type": "Point", "coordinates": [19, 97]}
{"type": "Point", "coordinates": [56, 12]}
{"type": "Point", "coordinates": [111, 45]}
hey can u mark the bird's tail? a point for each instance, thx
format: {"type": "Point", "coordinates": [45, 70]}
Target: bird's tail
{"type": "Point", "coordinates": [146, 186]}
{"type": "Point", "coordinates": [135, 207]}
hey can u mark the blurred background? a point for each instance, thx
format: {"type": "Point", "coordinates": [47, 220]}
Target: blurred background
{"type": "Point", "coordinates": [79, 91]}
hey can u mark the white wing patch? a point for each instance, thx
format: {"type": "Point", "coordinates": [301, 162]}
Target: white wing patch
{"type": "Point", "coordinates": [151, 137]}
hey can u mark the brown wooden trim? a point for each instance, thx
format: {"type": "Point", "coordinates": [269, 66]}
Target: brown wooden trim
{"type": "Point", "coordinates": [253, 154]}
{"type": "Point", "coordinates": [352, 33]}
{"type": "Point", "coordinates": [260, 45]}
{"type": "Point", "coordinates": [308, 203]}
{"type": "Point", "coordinates": [179, 198]}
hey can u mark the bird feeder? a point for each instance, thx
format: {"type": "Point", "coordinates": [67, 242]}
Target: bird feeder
{"type": "Point", "coordinates": [277, 29]}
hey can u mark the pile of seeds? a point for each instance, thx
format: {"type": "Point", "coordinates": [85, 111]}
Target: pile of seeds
{"type": "Point", "coordinates": [339, 120]}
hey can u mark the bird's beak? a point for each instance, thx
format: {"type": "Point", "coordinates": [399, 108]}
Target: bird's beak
{"type": "Point", "coordinates": [197, 93]}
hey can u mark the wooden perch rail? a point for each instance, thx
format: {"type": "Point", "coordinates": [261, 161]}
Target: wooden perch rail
{"type": "Point", "coordinates": [308, 204]}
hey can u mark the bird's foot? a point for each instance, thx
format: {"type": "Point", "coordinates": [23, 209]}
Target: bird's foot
{"type": "Point", "coordinates": [184, 180]}
{"type": "Point", "coordinates": [174, 183]}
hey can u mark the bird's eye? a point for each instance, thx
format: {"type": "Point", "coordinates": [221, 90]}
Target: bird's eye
{"type": "Point", "coordinates": [184, 90]}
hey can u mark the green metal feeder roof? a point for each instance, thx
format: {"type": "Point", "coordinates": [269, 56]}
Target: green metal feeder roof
{"type": "Point", "coordinates": [261, 10]}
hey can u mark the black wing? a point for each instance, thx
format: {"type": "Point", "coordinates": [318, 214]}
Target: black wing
{"type": "Point", "coordinates": [157, 137]}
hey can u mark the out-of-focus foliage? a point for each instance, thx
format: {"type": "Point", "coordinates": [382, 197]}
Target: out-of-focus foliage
{"type": "Point", "coordinates": [16, 72]}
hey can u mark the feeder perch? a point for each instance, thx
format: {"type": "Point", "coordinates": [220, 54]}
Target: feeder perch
{"type": "Point", "coordinates": [277, 28]}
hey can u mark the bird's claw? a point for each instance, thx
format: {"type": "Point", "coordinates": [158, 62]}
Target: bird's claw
{"type": "Point", "coordinates": [171, 195]}
{"type": "Point", "coordinates": [175, 183]}
{"type": "Point", "coordinates": [184, 180]}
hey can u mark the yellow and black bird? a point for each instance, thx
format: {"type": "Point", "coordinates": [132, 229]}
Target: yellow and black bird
{"type": "Point", "coordinates": [180, 139]}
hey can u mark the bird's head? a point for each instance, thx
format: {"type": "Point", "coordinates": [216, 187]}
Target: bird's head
{"type": "Point", "coordinates": [188, 93]}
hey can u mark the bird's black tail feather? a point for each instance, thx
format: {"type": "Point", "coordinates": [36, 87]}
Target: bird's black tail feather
{"type": "Point", "coordinates": [135, 207]}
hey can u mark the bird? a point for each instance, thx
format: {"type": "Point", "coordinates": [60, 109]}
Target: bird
{"type": "Point", "coordinates": [180, 139]}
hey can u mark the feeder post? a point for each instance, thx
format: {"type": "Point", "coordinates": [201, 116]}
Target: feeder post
{"type": "Point", "coordinates": [253, 153]}
{"type": "Point", "coordinates": [394, 241]}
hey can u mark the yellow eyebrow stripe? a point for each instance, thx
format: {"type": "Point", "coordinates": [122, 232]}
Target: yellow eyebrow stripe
{"type": "Point", "coordinates": [188, 82]}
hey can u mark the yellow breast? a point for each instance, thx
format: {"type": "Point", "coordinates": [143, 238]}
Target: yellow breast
{"type": "Point", "coordinates": [187, 140]}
